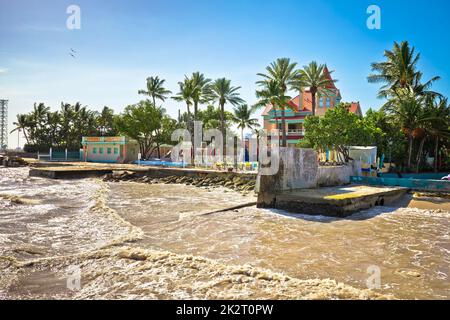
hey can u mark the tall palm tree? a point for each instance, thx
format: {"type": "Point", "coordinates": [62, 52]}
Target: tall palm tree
{"type": "Point", "coordinates": [398, 71]}
{"type": "Point", "coordinates": [155, 89]}
{"type": "Point", "coordinates": [22, 124]}
{"type": "Point", "coordinates": [282, 73]}
{"type": "Point", "coordinates": [424, 89]}
{"type": "Point", "coordinates": [105, 122]}
{"type": "Point", "coordinates": [271, 94]}
{"type": "Point", "coordinates": [315, 77]}
{"type": "Point", "coordinates": [409, 110]}
{"type": "Point", "coordinates": [37, 118]}
{"type": "Point", "coordinates": [439, 125]}
{"type": "Point", "coordinates": [185, 95]}
{"type": "Point", "coordinates": [201, 92]}
{"type": "Point", "coordinates": [223, 92]}
{"type": "Point", "coordinates": [242, 116]}
{"type": "Point", "coordinates": [53, 127]}
{"type": "Point", "coordinates": [67, 117]}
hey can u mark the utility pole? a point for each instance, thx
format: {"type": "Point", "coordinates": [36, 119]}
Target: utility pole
{"type": "Point", "coordinates": [18, 139]}
{"type": "Point", "coordinates": [3, 124]}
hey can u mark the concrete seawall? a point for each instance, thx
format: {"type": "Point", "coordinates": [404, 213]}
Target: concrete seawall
{"type": "Point", "coordinates": [84, 171]}
{"type": "Point", "coordinates": [301, 186]}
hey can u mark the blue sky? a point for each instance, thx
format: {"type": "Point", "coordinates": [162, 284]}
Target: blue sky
{"type": "Point", "coordinates": [120, 43]}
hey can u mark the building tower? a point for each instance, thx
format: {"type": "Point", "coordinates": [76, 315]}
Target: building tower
{"type": "Point", "coordinates": [3, 124]}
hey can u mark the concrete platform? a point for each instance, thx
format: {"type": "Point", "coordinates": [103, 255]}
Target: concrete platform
{"type": "Point", "coordinates": [332, 201]}
{"type": "Point", "coordinates": [84, 170]}
{"type": "Point", "coordinates": [68, 172]}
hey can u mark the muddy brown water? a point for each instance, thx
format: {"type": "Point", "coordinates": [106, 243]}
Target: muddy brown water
{"type": "Point", "coordinates": [410, 246]}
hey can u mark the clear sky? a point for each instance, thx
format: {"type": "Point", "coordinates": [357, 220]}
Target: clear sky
{"type": "Point", "coordinates": [121, 43]}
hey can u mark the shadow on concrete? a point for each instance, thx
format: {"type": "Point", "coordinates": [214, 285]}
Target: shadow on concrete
{"type": "Point", "coordinates": [362, 215]}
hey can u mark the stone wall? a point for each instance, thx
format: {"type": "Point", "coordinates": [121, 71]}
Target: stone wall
{"type": "Point", "coordinates": [334, 175]}
{"type": "Point", "coordinates": [299, 169]}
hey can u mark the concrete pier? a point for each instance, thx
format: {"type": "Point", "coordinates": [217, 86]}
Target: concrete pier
{"type": "Point", "coordinates": [97, 170]}
{"type": "Point", "coordinates": [301, 186]}
{"type": "Point", "coordinates": [332, 201]}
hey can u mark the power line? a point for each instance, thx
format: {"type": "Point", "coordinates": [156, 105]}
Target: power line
{"type": "Point", "coordinates": [3, 124]}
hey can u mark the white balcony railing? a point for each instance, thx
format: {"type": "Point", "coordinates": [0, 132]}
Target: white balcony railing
{"type": "Point", "coordinates": [294, 132]}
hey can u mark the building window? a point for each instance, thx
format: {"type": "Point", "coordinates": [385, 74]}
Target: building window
{"type": "Point", "coordinates": [94, 151]}
{"type": "Point", "coordinates": [101, 150]}
{"type": "Point", "coordinates": [338, 100]}
{"type": "Point", "coordinates": [116, 150]}
{"type": "Point", "coordinates": [109, 150]}
{"type": "Point", "coordinates": [320, 102]}
{"type": "Point", "coordinates": [328, 102]}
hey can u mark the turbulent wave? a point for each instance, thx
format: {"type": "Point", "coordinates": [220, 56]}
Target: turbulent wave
{"type": "Point", "coordinates": [152, 241]}
{"type": "Point", "coordinates": [135, 273]}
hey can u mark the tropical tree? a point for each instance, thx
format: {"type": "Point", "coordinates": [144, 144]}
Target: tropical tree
{"type": "Point", "coordinates": [211, 116]}
{"type": "Point", "coordinates": [439, 126]}
{"type": "Point", "coordinates": [37, 118]}
{"type": "Point", "coordinates": [271, 94]}
{"type": "Point", "coordinates": [52, 129]}
{"type": "Point", "coordinates": [155, 89]}
{"type": "Point", "coordinates": [281, 73]}
{"type": "Point", "coordinates": [105, 122]}
{"type": "Point", "coordinates": [65, 128]}
{"type": "Point", "coordinates": [163, 133]}
{"type": "Point", "coordinates": [223, 92]}
{"type": "Point", "coordinates": [391, 140]}
{"type": "Point", "coordinates": [141, 122]}
{"type": "Point", "coordinates": [186, 94]}
{"type": "Point", "coordinates": [242, 116]}
{"type": "Point", "coordinates": [315, 77]}
{"type": "Point", "coordinates": [408, 109]}
{"type": "Point", "coordinates": [22, 123]}
{"type": "Point", "coordinates": [338, 129]}
{"type": "Point", "coordinates": [411, 103]}
{"type": "Point", "coordinates": [201, 91]}
{"type": "Point", "coordinates": [399, 71]}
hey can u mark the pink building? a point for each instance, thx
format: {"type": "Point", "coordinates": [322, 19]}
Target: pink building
{"type": "Point", "coordinates": [300, 107]}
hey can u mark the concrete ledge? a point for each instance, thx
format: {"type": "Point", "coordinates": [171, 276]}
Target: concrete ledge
{"type": "Point", "coordinates": [335, 201]}
{"type": "Point", "coordinates": [68, 174]}
{"type": "Point", "coordinates": [415, 184]}
{"type": "Point", "coordinates": [79, 172]}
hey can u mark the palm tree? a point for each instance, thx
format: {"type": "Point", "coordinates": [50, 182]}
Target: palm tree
{"type": "Point", "coordinates": [439, 125]}
{"type": "Point", "coordinates": [186, 94]}
{"type": "Point", "coordinates": [201, 92]}
{"type": "Point", "coordinates": [53, 127]}
{"type": "Point", "coordinates": [105, 122]}
{"type": "Point", "coordinates": [223, 92]}
{"type": "Point", "coordinates": [22, 123]}
{"type": "Point", "coordinates": [67, 117]}
{"type": "Point", "coordinates": [271, 94]}
{"type": "Point", "coordinates": [283, 74]}
{"type": "Point", "coordinates": [155, 89]}
{"type": "Point", "coordinates": [316, 78]}
{"type": "Point", "coordinates": [399, 71]}
{"type": "Point", "coordinates": [408, 109]}
{"type": "Point", "coordinates": [242, 116]}
{"type": "Point", "coordinates": [37, 118]}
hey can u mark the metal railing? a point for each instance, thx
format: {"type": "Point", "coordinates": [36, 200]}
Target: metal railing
{"type": "Point", "coordinates": [293, 132]}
